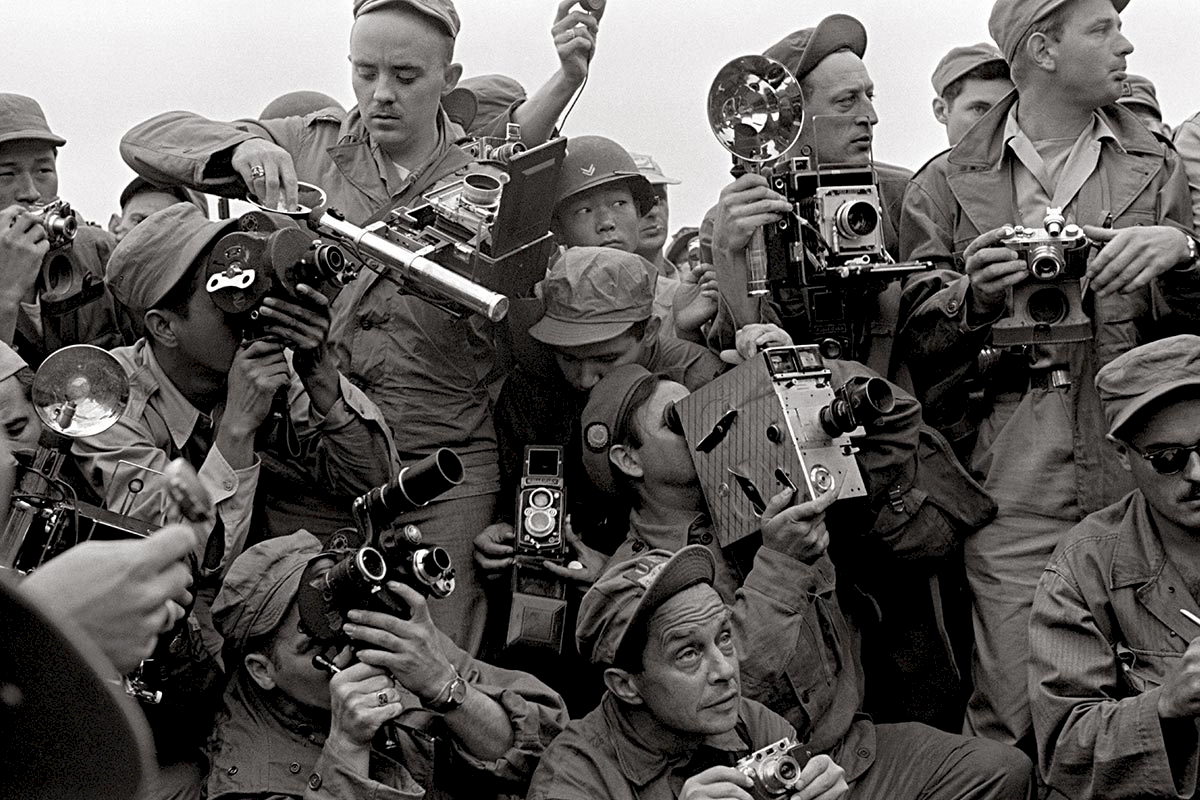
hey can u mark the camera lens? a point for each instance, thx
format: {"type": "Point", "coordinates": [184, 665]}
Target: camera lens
{"type": "Point", "coordinates": [856, 219]}
{"type": "Point", "coordinates": [1047, 306]}
{"type": "Point", "coordinates": [1046, 262]}
{"type": "Point", "coordinates": [779, 776]}
{"type": "Point", "coordinates": [481, 189]}
{"type": "Point", "coordinates": [540, 516]}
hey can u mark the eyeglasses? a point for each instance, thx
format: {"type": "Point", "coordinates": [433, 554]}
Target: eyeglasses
{"type": "Point", "coordinates": [1168, 460]}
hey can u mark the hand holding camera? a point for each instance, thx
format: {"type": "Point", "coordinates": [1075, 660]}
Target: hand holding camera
{"type": "Point", "coordinates": [574, 33]}
{"type": "Point", "coordinates": [408, 649]}
{"type": "Point", "coordinates": [798, 530]}
{"type": "Point", "coordinates": [362, 698]}
{"type": "Point", "coordinates": [583, 564]}
{"type": "Point", "coordinates": [23, 245]}
{"type": "Point", "coordinates": [268, 172]}
{"type": "Point", "coordinates": [993, 269]}
{"type": "Point", "coordinates": [1132, 257]}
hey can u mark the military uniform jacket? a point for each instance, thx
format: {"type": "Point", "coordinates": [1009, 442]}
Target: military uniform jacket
{"type": "Point", "coordinates": [968, 190]}
{"type": "Point", "coordinates": [423, 368]}
{"type": "Point", "coordinates": [1105, 631]}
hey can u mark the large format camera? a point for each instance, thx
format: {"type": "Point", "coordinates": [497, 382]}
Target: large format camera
{"type": "Point", "coordinates": [356, 566]}
{"type": "Point", "coordinates": [836, 215]}
{"type": "Point", "coordinates": [775, 769]}
{"type": "Point", "coordinates": [775, 422]}
{"type": "Point", "coordinates": [538, 614]}
{"type": "Point", "coordinates": [1048, 305]}
{"type": "Point", "coordinates": [269, 256]}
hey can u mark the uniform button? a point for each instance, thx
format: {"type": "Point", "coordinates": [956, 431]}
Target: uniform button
{"type": "Point", "coordinates": [863, 752]}
{"type": "Point", "coordinates": [314, 781]}
{"type": "Point", "coordinates": [231, 771]}
{"type": "Point", "coordinates": [952, 307]}
{"type": "Point", "coordinates": [1171, 589]}
{"type": "Point", "coordinates": [228, 486]}
{"type": "Point", "coordinates": [294, 767]}
{"type": "Point", "coordinates": [637, 547]}
{"type": "Point", "coordinates": [706, 538]}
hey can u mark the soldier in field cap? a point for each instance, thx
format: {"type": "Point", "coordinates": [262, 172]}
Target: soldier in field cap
{"type": "Point", "coordinates": [1062, 141]}
{"type": "Point", "coordinates": [1115, 628]}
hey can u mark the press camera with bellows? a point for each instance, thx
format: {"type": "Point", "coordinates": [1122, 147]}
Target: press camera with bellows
{"type": "Point", "coordinates": [356, 566]}
{"type": "Point", "coordinates": [818, 261]}
{"type": "Point", "coordinates": [1047, 306]}
{"type": "Point", "coordinates": [773, 422]}
{"type": "Point", "coordinates": [467, 245]}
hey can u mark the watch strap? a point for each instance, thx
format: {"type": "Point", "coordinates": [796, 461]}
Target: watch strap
{"type": "Point", "coordinates": [450, 697]}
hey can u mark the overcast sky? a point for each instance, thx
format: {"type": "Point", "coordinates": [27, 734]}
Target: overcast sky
{"type": "Point", "coordinates": [100, 66]}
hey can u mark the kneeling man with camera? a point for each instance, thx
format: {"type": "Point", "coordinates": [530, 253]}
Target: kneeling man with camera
{"type": "Point", "coordinates": [452, 726]}
{"type": "Point", "coordinates": [673, 722]}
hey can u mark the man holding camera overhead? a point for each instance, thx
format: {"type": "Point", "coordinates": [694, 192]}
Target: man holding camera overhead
{"type": "Point", "coordinates": [1058, 142]}
{"type": "Point", "coordinates": [426, 370]}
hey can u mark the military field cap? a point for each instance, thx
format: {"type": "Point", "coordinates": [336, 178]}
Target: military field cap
{"type": "Point", "coordinates": [626, 596]}
{"type": "Point", "coordinates": [593, 294]}
{"type": "Point", "coordinates": [159, 252]}
{"type": "Point", "coordinates": [651, 170]}
{"type": "Point", "coordinates": [299, 104]}
{"type": "Point", "coordinates": [440, 11]}
{"type": "Point", "coordinates": [1133, 380]}
{"type": "Point", "coordinates": [604, 416]}
{"type": "Point", "coordinates": [261, 584]}
{"type": "Point", "coordinates": [21, 118]}
{"type": "Point", "coordinates": [1139, 91]}
{"type": "Point", "coordinates": [183, 195]}
{"type": "Point", "coordinates": [802, 50]}
{"type": "Point", "coordinates": [1012, 20]}
{"type": "Point", "coordinates": [481, 99]}
{"type": "Point", "coordinates": [593, 161]}
{"type": "Point", "coordinates": [10, 362]}
{"type": "Point", "coordinates": [961, 60]}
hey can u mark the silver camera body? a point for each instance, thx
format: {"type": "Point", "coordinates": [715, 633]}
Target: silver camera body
{"type": "Point", "coordinates": [1047, 307]}
{"type": "Point", "coordinates": [775, 769]}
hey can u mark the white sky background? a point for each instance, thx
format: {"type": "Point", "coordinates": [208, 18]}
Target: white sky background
{"type": "Point", "coordinates": [100, 66]}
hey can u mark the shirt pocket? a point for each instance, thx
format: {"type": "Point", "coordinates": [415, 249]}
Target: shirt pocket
{"type": "Point", "coordinates": [1143, 670]}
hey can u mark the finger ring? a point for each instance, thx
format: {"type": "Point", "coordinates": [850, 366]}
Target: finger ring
{"type": "Point", "coordinates": [257, 171]}
{"type": "Point", "coordinates": [382, 697]}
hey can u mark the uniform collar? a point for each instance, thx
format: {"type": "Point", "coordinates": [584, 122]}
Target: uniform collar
{"type": "Point", "coordinates": [645, 750]}
{"type": "Point", "coordinates": [177, 411]}
{"type": "Point", "coordinates": [1138, 557]}
{"type": "Point", "coordinates": [666, 537]}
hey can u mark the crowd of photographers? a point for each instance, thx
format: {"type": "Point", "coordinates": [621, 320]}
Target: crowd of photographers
{"type": "Point", "coordinates": [872, 484]}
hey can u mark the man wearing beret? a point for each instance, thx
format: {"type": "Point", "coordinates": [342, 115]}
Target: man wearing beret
{"type": "Point", "coordinates": [968, 81]}
{"type": "Point", "coordinates": [1060, 140]}
{"type": "Point", "coordinates": [799, 653]}
{"type": "Point", "coordinates": [198, 391]}
{"type": "Point", "coordinates": [462, 728]}
{"type": "Point", "coordinates": [1114, 674]}
{"type": "Point", "coordinates": [673, 722]}
{"type": "Point", "coordinates": [426, 370]}
{"type": "Point", "coordinates": [42, 310]}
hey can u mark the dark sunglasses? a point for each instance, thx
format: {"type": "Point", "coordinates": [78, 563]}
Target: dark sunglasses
{"type": "Point", "coordinates": [1168, 460]}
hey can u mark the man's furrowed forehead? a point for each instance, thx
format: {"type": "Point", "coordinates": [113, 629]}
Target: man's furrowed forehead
{"type": "Point", "coordinates": [689, 613]}
{"type": "Point", "coordinates": [839, 72]}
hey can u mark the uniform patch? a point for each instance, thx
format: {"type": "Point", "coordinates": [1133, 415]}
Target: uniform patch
{"type": "Point", "coordinates": [597, 437]}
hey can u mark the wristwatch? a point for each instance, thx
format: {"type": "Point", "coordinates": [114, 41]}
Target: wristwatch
{"type": "Point", "coordinates": [1193, 256]}
{"type": "Point", "coordinates": [450, 697]}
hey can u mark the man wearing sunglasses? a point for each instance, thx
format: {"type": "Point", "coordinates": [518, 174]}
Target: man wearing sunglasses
{"type": "Point", "coordinates": [1115, 630]}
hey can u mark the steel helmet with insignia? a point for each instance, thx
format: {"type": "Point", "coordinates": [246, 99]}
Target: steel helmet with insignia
{"type": "Point", "coordinates": [593, 161]}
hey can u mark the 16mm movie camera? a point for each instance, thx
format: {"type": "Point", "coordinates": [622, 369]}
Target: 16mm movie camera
{"type": "Point", "coordinates": [1047, 306]}
{"type": "Point", "coordinates": [355, 568]}
{"type": "Point", "coordinates": [774, 422]}
{"type": "Point", "coordinates": [820, 260]}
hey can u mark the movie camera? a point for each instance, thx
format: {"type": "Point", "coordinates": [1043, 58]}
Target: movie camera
{"type": "Point", "coordinates": [355, 568]}
{"type": "Point", "coordinates": [776, 422]}
{"type": "Point", "coordinates": [1048, 305]}
{"type": "Point", "coordinates": [775, 769]}
{"type": "Point", "coordinates": [818, 261]}
{"type": "Point", "coordinates": [466, 243]}
{"type": "Point", "coordinates": [537, 617]}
